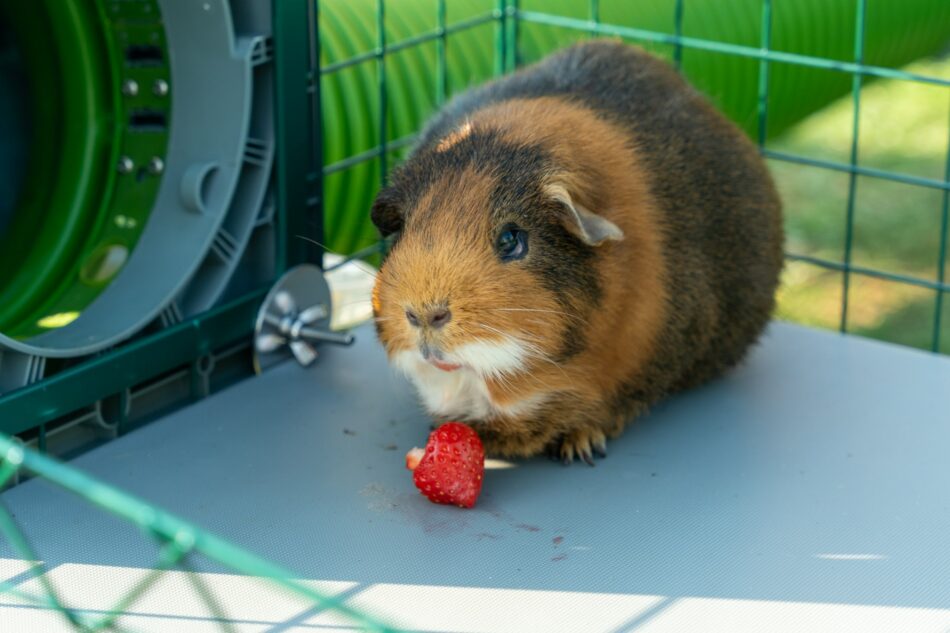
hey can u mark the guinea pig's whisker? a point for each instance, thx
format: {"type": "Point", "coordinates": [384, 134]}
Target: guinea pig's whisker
{"type": "Point", "coordinates": [522, 340]}
{"type": "Point", "coordinates": [505, 385]}
{"type": "Point", "coordinates": [363, 266]}
{"type": "Point", "coordinates": [533, 351]}
{"type": "Point", "coordinates": [496, 358]}
{"type": "Point", "coordinates": [355, 302]}
{"type": "Point", "coordinates": [505, 381]}
{"type": "Point", "coordinates": [492, 329]}
{"type": "Point", "coordinates": [383, 281]}
{"type": "Point", "coordinates": [313, 241]}
{"type": "Point", "coordinates": [529, 348]}
{"type": "Point", "coordinates": [528, 310]}
{"type": "Point", "coordinates": [366, 268]}
{"type": "Point", "coordinates": [558, 312]}
{"type": "Point", "coordinates": [523, 336]}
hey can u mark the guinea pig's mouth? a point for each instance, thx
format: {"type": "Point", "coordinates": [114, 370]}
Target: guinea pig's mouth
{"type": "Point", "coordinates": [435, 357]}
{"type": "Point", "coordinates": [444, 366]}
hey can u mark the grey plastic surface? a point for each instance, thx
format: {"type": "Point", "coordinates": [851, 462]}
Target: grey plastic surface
{"type": "Point", "coordinates": [217, 172]}
{"type": "Point", "coordinates": [806, 491]}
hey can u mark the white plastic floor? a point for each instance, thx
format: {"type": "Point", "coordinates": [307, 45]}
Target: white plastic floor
{"type": "Point", "coordinates": [807, 491]}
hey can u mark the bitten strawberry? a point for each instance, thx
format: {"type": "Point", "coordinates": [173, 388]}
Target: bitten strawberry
{"type": "Point", "coordinates": [451, 468]}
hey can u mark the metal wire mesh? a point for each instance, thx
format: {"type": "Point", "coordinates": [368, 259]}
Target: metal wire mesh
{"type": "Point", "coordinates": [179, 544]}
{"type": "Point", "coordinates": [510, 18]}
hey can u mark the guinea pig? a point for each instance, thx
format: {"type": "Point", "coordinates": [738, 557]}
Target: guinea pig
{"type": "Point", "coordinates": [570, 244]}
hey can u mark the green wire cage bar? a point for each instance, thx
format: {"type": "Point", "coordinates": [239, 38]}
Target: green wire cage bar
{"type": "Point", "coordinates": [178, 543]}
{"type": "Point", "coordinates": [355, 79]}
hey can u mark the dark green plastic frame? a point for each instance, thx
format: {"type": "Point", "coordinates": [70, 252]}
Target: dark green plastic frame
{"type": "Point", "coordinates": [299, 188]}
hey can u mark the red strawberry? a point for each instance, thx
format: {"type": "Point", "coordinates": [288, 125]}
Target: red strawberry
{"type": "Point", "coordinates": [451, 467]}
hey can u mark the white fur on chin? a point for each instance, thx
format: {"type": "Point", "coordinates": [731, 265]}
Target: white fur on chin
{"type": "Point", "coordinates": [462, 394]}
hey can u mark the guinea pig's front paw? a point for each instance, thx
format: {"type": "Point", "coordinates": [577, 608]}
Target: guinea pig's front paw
{"type": "Point", "coordinates": [584, 443]}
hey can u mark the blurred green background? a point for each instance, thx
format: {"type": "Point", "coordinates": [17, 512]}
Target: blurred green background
{"type": "Point", "coordinates": [904, 128]}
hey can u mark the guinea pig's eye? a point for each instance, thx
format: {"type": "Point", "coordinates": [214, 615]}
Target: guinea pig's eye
{"type": "Point", "coordinates": [512, 244]}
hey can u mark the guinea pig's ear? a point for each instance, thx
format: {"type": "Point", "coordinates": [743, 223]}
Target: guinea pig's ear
{"type": "Point", "coordinates": [585, 224]}
{"type": "Point", "coordinates": [387, 213]}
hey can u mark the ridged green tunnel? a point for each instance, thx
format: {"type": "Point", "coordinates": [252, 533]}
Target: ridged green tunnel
{"type": "Point", "coordinates": [68, 220]}
{"type": "Point", "coordinates": [897, 32]}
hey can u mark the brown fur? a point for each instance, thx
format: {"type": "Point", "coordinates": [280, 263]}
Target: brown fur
{"type": "Point", "coordinates": [628, 336]}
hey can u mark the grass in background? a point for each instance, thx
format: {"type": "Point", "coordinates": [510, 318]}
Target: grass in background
{"type": "Point", "coordinates": [904, 128]}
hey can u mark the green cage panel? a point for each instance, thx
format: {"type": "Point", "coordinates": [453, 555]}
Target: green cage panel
{"type": "Point", "coordinates": [432, 54]}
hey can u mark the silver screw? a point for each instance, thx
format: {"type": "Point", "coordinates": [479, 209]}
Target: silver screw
{"type": "Point", "coordinates": [130, 88]}
{"type": "Point", "coordinates": [160, 87]}
{"type": "Point", "coordinates": [156, 165]}
{"type": "Point", "coordinates": [125, 165]}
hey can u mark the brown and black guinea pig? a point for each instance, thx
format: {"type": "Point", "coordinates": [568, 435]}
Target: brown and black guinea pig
{"type": "Point", "coordinates": [574, 242]}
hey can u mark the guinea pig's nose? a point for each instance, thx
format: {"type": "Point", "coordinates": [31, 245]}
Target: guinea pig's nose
{"type": "Point", "coordinates": [434, 318]}
{"type": "Point", "coordinates": [439, 317]}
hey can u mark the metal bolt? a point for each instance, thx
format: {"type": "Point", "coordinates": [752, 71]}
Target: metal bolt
{"type": "Point", "coordinates": [156, 165]}
{"type": "Point", "coordinates": [130, 88]}
{"type": "Point", "coordinates": [125, 165]}
{"type": "Point", "coordinates": [313, 334]}
{"type": "Point", "coordinates": [160, 87]}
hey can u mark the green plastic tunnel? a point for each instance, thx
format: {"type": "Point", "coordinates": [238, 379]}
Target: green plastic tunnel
{"type": "Point", "coordinates": [897, 32]}
{"type": "Point", "coordinates": [68, 220]}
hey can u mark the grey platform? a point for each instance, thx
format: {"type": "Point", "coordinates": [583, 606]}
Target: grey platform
{"type": "Point", "coordinates": [807, 491]}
